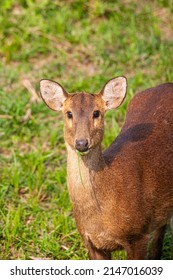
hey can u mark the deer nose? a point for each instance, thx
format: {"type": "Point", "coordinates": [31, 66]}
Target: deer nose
{"type": "Point", "coordinates": [81, 145]}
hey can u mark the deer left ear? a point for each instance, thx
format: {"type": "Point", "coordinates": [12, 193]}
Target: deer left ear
{"type": "Point", "coordinates": [114, 92]}
{"type": "Point", "coordinates": [53, 94]}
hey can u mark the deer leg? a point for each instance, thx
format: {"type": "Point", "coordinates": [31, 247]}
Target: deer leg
{"type": "Point", "coordinates": [137, 250]}
{"type": "Point", "coordinates": [157, 243]}
{"type": "Point", "coordinates": [171, 229]}
{"type": "Point", "coordinates": [97, 254]}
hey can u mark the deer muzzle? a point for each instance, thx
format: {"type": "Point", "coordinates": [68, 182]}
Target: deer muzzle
{"type": "Point", "coordinates": [82, 145]}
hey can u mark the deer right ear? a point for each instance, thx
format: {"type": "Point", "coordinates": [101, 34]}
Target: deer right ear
{"type": "Point", "coordinates": [53, 94]}
{"type": "Point", "coordinates": [114, 92]}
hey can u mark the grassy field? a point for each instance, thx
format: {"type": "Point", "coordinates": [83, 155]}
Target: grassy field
{"type": "Point", "coordinates": [80, 44]}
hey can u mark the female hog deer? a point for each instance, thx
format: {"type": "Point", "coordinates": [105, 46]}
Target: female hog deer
{"type": "Point", "coordinates": [121, 196]}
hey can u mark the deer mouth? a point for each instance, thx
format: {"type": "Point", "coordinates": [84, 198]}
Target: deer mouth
{"type": "Point", "coordinates": [83, 153]}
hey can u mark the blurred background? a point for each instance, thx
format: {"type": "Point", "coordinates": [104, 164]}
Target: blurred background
{"type": "Point", "coordinates": [81, 45]}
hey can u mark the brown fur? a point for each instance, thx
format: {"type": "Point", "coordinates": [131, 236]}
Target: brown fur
{"type": "Point", "coordinates": [126, 193]}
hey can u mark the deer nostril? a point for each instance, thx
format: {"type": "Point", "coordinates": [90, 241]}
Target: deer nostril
{"type": "Point", "coordinates": [81, 145]}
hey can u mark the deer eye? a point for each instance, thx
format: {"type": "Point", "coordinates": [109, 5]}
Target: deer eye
{"type": "Point", "coordinates": [96, 114]}
{"type": "Point", "coordinates": [69, 115]}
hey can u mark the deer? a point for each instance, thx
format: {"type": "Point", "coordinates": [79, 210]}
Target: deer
{"type": "Point", "coordinates": [122, 198]}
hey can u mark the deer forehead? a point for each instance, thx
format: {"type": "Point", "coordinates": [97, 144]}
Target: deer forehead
{"type": "Point", "coordinates": [83, 103]}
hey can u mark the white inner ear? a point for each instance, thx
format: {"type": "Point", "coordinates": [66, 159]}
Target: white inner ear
{"type": "Point", "coordinates": [109, 92]}
{"type": "Point", "coordinates": [57, 93]}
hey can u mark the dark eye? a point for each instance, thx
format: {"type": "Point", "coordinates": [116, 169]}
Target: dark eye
{"type": "Point", "coordinates": [96, 114]}
{"type": "Point", "coordinates": [69, 115]}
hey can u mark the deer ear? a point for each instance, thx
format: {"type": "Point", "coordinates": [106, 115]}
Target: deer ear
{"type": "Point", "coordinates": [53, 94]}
{"type": "Point", "coordinates": [114, 92]}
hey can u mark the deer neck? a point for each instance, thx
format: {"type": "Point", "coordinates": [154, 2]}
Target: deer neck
{"type": "Point", "coordinates": [83, 171]}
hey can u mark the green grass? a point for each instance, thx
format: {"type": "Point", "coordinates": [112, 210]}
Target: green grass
{"type": "Point", "coordinates": [80, 44]}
